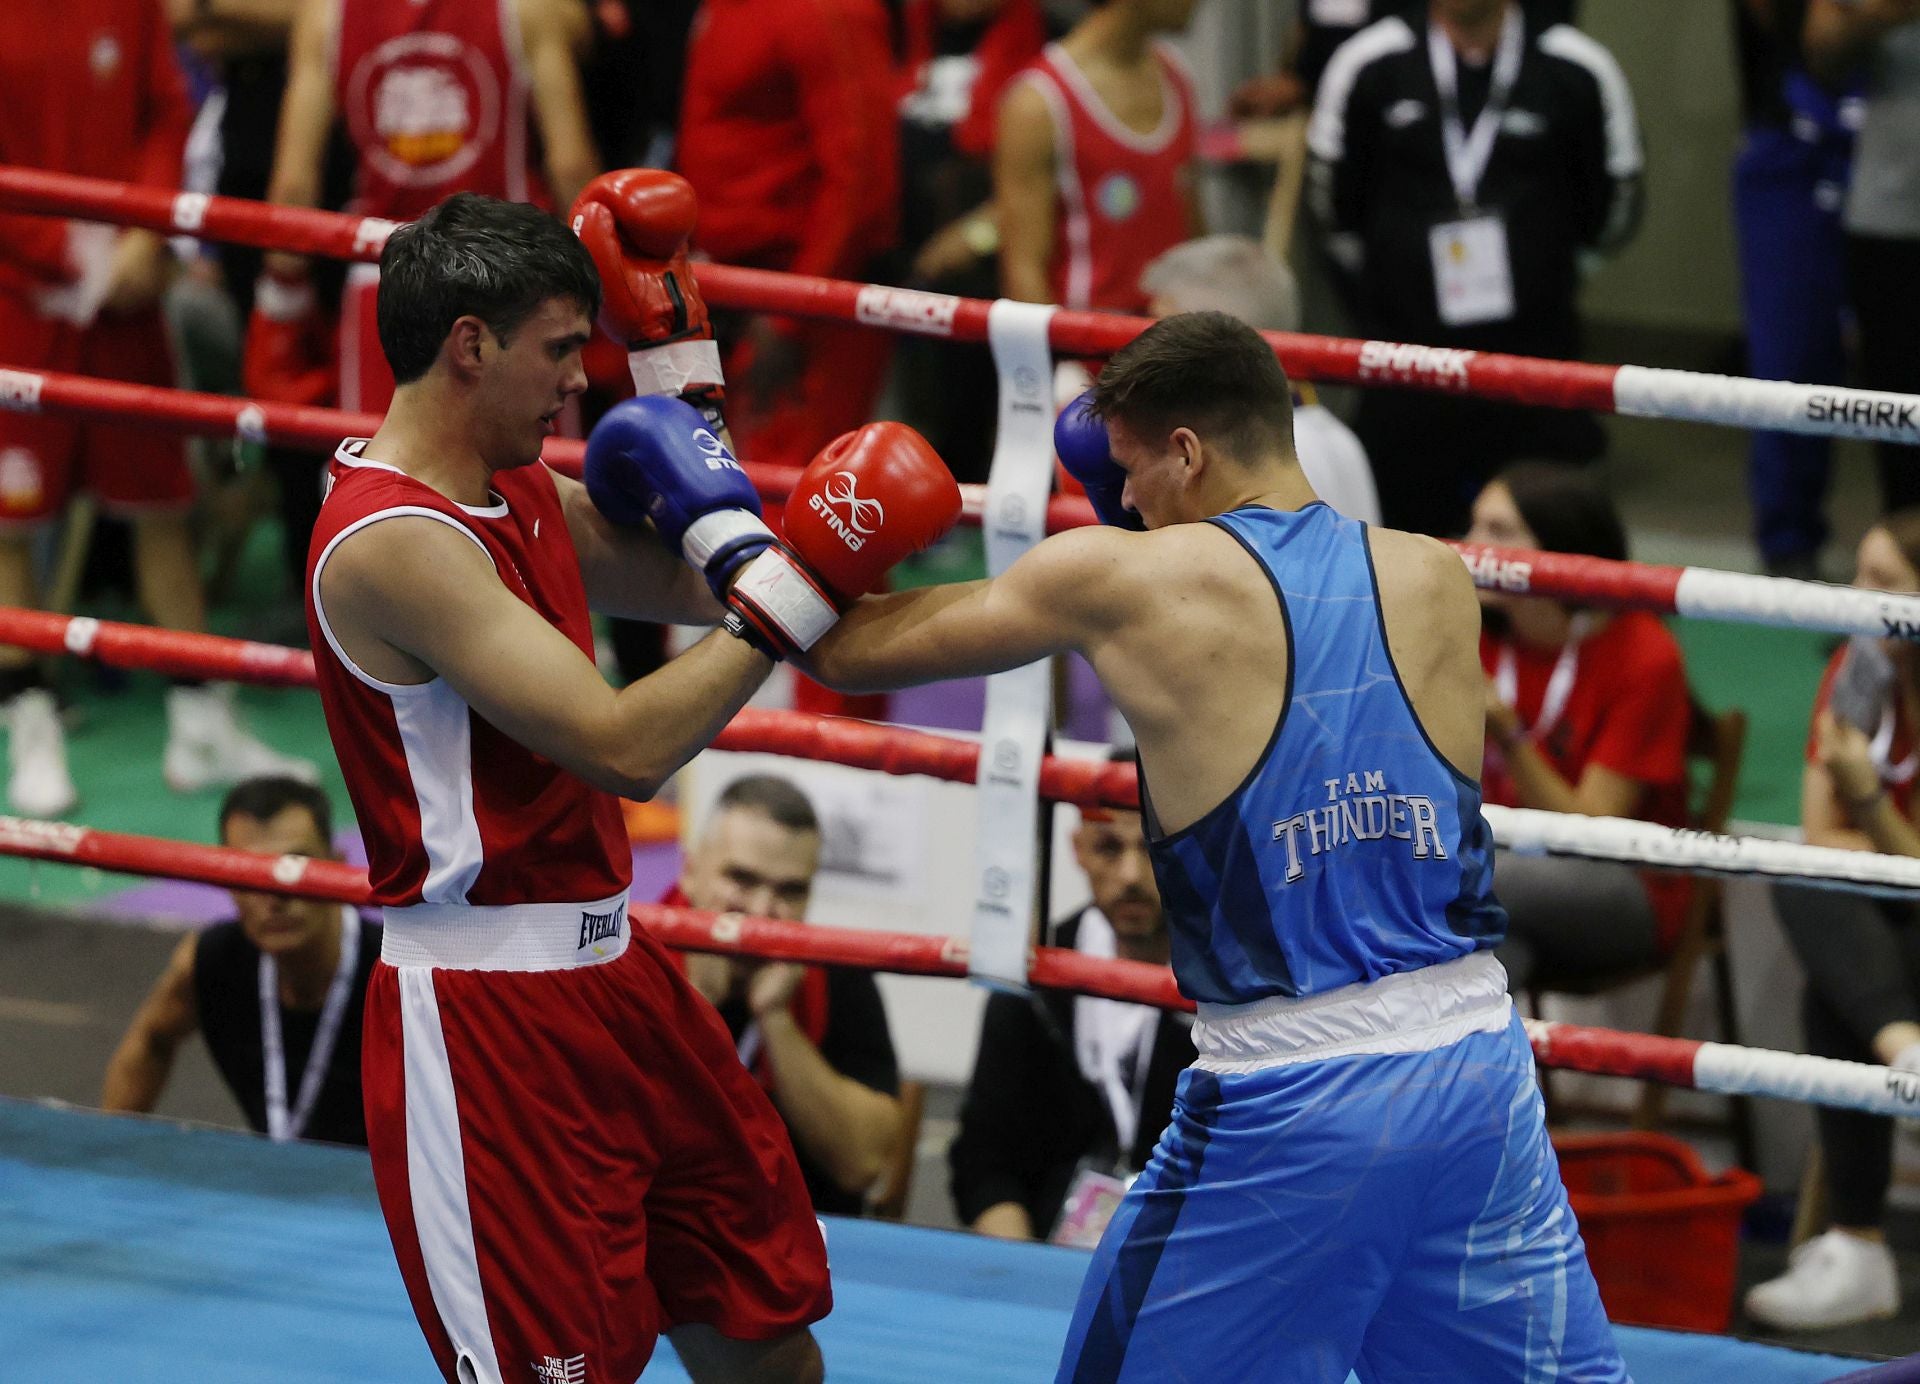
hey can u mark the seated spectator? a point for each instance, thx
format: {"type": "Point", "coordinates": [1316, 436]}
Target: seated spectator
{"type": "Point", "coordinates": [1232, 274]}
{"type": "Point", "coordinates": [1067, 1086]}
{"type": "Point", "coordinates": [1587, 711]}
{"type": "Point", "coordinates": [293, 1066]}
{"type": "Point", "coordinates": [1861, 954]}
{"type": "Point", "coordinates": [815, 1037]}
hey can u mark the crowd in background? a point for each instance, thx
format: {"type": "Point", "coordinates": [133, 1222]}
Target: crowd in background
{"type": "Point", "coordinates": [1468, 162]}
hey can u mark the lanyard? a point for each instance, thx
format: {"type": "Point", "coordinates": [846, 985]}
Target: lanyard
{"type": "Point", "coordinates": [280, 1125]}
{"type": "Point", "coordinates": [1468, 152]}
{"type": "Point", "coordinates": [1882, 750]}
{"type": "Point", "coordinates": [1127, 1102]}
{"type": "Point", "coordinates": [1566, 671]}
{"type": "Point", "coordinates": [1102, 1030]}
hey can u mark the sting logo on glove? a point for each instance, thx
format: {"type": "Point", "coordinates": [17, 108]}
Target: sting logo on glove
{"type": "Point", "coordinates": [716, 453]}
{"type": "Point", "coordinates": [864, 517]}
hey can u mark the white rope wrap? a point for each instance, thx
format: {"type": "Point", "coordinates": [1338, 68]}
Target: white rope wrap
{"type": "Point", "coordinates": [1776, 405]}
{"type": "Point", "coordinates": [1797, 1076]}
{"type": "Point", "coordinates": [1528, 831]}
{"type": "Point", "coordinates": [1812, 605]}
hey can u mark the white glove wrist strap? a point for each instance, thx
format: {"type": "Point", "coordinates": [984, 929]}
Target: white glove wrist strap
{"type": "Point", "coordinates": [773, 585]}
{"type": "Point", "coordinates": [676, 367]}
{"type": "Point", "coordinates": [710, 533]}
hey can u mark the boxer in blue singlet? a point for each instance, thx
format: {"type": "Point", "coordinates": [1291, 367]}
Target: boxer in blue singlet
{"type": "Point", "coordinates": [1357, 1175]}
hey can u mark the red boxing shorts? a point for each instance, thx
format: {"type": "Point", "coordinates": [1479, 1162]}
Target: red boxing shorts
{"type": "Point", "coordinates": [570, 1157]}
{"type": "Point", "coordinates": [44, 458]}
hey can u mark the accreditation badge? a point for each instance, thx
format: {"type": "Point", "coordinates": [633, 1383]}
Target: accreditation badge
{"type": "Point", "coordinates": [1093, 1197]}
{"type": "Point", "coordinates": [1472, 276]}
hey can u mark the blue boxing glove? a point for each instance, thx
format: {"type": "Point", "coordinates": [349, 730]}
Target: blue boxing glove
{"type": "Point", "coordinates": [1080, 441]}
{"type": "Point", "coordinates": [654, 458]}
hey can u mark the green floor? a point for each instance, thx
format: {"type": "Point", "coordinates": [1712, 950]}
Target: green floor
{"type": "Point", "coordinates": [115, 736]}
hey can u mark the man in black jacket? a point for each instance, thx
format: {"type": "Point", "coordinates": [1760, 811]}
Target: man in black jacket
{"type": "Point", "coordinates": [1069, 1093]}
{"type": "Point", "coordinates": [293, 1065]}
{"type": "Point", "coordinates": [1466, 162]}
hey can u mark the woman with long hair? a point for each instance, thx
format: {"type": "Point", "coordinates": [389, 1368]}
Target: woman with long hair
{"type": "Point", "coordinates": [1861, 954]}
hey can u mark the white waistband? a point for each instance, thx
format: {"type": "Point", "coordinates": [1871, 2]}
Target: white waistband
{"type": "Point", "coordinates": [506, 937]}
{"type": "Point", "coordinates": [1414, 1011]}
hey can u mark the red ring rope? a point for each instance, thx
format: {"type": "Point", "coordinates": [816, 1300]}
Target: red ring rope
{"type": "Point", "coordinates": [1826, 411]}
{"type": "Point", "coordinates": [796, 734]}
{"type": "Point", "coordinates": [1620, 585]}
{"type": "Point", "coordinates": [1673, 1061]}
{"type": "Point", "coordinates": [320, 429]}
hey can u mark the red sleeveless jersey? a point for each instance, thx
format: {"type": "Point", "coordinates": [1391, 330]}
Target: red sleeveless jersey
{"type": "Point", "coordinates": [453, 810]}
{"type": "Point", "coordinates": [1122, 194]}
{"type": "Point", "coordinates": [435, 96]}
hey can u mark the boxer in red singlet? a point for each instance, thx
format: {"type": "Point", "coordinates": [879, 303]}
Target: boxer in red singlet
{"type": "Point", "coordinates": [438, 97]}
{"type": "Point", "coordinates": [1093, 176]}
{"type": "Point", "coordinates": [569, 1155]}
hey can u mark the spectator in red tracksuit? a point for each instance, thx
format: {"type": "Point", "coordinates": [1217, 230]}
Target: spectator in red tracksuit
{"type": "Point", "coordinates": [92, 87]}
{"type": "Point", "coordinates": [787, 135]}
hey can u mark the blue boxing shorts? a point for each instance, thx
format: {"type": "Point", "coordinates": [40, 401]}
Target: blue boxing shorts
{"type": "Point", "coordinates": [1358, 1181]}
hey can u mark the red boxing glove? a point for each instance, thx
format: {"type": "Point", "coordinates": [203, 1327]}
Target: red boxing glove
{"type": "Point", "coordinates": [636, 224]}
{"type": "Point", "coordinates": [291, 349]}
{"type": "Point", "coordinates": [870, 498]}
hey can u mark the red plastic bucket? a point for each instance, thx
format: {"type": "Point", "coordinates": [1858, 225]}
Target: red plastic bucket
{"type": "Point", "coordinates": [1662, 1235]}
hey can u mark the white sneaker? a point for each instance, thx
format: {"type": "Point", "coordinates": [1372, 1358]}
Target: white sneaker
{"type": "Point", "coordinates": [207, 746]}
{"type": "Point", "coordinates": [38, 784]}
{"type": "Point", "coordinates": [1835, 1279]}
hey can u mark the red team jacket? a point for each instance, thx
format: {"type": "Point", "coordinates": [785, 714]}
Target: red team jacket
{"type": "Point", "coordinates": [787, 133]}
{"type": "Point", "coordinates": [95, 91]}
{"type": "Point", "coordinates": [1628, 711]}
{"type": "Point", "coordinates": [455, 811]}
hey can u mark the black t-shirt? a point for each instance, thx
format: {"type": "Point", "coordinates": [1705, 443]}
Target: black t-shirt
{"type": "Point", "coordinates": [856, 1044]}
{"type": "Point", "coordinates": [226, 982]}
{"type": "Point", "coordinates": [1030, 1116]}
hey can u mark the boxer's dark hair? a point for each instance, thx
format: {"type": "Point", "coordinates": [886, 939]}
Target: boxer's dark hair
{"type": "Point", "coordinates": [1205, 371]}
{"type": "Point", "coordinates": [474, 256]}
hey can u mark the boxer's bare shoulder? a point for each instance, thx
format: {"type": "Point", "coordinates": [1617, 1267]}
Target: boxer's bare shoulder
{"type": "Point", "coordinates": [1433, 620]}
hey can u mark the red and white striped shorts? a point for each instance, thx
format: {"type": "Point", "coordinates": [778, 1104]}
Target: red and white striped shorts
{"type": "Point", "coordinates": [572, 1160]}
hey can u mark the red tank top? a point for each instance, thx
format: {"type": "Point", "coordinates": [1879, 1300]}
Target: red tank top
{"type": "Point", "coordinates": [434, 94]}
{"type": "Point", "coordinates": [454, 811]}
{"type": "Point", "coordinates": [1122, 194]}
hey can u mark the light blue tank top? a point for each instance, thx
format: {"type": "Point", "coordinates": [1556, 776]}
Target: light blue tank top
{"type": "Point", "coordinates": [1353, 849]}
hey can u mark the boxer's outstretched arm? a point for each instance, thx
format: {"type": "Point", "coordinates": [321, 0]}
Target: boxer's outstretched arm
{"type": "Point", "coordinates": [409, 598]}
{"type": "Point", "coordinates": [1071, 592]}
